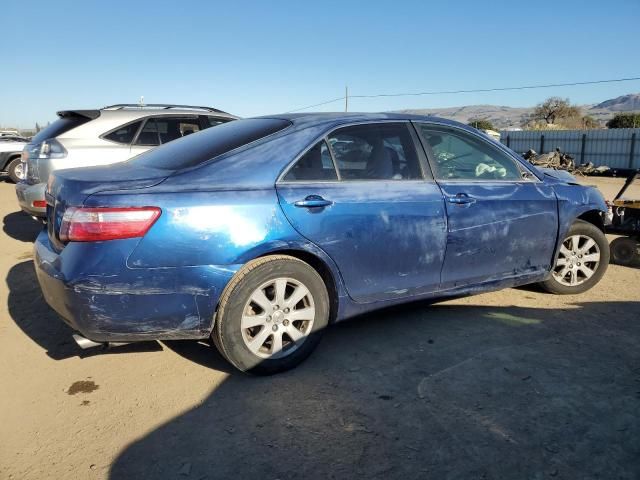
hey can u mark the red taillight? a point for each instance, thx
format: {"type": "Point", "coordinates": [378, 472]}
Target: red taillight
{"type": "Point", "coordinates": [39, 204]}
{"type": "Point", "coordinates": [85, 224]}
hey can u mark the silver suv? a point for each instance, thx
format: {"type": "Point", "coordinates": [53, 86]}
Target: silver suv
{"type": "Point", "coordinates": [83, 138]}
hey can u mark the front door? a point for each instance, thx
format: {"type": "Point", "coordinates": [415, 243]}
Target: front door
{"type": "Point", "coordinates": [377, 215]}
{"type": "Point", "coordinates": [502, 221]}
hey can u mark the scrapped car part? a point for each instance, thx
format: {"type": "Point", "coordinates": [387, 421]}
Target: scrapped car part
{"type": "Point", "coordinates": [116, 133]}
{"type": "Point", "coordinates": [625, 220]}
{"type": "Point", "coordinates": [625, 251]}
{"type": "Point", "coordinates": [257, 232]}
{"type": "Point", "coordinates": [285, 312]}
{"type": "Point", "coordinates": [559, 160]}
{"type": "Point", "coordinates": [581, 262]}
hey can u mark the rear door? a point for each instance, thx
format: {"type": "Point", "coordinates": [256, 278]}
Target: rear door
{"type": "Point", "coordinates": [363, 196]}
{"type": "Point", "coordinates": [502, 222]}
{"type": "Point", "coordinates": [163, 129]}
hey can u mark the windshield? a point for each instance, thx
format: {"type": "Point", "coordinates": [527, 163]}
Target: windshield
{"type": "Point", "coordinates": [199, 147]}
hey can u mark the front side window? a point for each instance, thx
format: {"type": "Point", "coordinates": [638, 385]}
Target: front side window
{"type": "Point", "coordinates": [316, 164]}
{"type": "Point", "coordinates": [380, 151]}
{"type": "Point", "coordinates": [124, 134]}
{"type": "Point", "coordinates": [459, 156]}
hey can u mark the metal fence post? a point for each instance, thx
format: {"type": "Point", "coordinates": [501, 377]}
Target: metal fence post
{"type": "Point", "coordinates": [541, 143]}
{"type": "Point", "coordinates": [632, 150]}
{"type": "Point", "coordinates": [584, 142]}
{"type": "Point", "coordinates": [508, 138]}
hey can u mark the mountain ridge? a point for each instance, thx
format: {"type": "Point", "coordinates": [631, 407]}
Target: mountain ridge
{"type": "Point", "coordinates": [503, 116]}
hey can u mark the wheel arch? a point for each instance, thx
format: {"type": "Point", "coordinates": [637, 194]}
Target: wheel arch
{"type": "Point", "coordinates": [595, 217]}
{"type": "Point", "coordinates": [7, 158]}
{"type": "Point", "coordinates": [323, 269]}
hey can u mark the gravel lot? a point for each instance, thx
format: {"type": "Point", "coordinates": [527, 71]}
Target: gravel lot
{"type": "Point", "coordinates": [515, 384]}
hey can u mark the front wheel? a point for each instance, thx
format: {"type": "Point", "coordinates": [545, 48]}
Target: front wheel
{"type": "Point", "coordinates": [271, 315]}
{"type": "Point", "coordinates": [582, 260]}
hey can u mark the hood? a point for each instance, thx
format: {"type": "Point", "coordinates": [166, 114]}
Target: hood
{"type": "Point", "coordinates": [11, 146]}
{"type": "Point", "coordinates": [559, 176]}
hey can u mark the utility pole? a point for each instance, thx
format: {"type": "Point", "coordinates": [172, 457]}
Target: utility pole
{"type": "Point", "coordinates": [346, 98]}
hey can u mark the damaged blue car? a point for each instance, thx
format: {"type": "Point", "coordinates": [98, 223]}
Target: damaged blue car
{"type": "Point", "coordinates": [261, 232]}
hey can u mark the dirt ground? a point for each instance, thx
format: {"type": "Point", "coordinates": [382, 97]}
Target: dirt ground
{"type": "Point", "coordinates": [516, 384]}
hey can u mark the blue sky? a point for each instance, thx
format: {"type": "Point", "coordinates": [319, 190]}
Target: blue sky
{"type": "Point", "coordinates": [253, 58]}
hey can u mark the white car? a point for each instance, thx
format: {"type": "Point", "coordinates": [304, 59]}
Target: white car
{"type": "Point", "coordinates": [84, 138]}
{"type": "Point", "coordinates": [10, 151]}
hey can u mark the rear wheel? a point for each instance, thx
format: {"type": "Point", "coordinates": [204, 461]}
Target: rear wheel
{"type": "Point", "coordinates": [582, 260]}
{"type": "Point", "coordinates": [625, 251]}
{"type": "Point", "coordinates": [15, 170]}
{"type": "Point", "coordinates": [271, 315]}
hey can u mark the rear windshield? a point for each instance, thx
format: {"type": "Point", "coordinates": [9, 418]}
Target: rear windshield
{"type": "Point", "coordinates": [195, 149]}
{"type": "Point", "coordinates": [59, 127]}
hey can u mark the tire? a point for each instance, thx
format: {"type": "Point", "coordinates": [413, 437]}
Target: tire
{"type": "Point", "coordinates": [625, 251]}
{"type": "Point", "coordinates": [12, 170]}
{"type": "Point", "coordinates": [255, 348]}
{"type": "Point", "coordinates": [591, 240]}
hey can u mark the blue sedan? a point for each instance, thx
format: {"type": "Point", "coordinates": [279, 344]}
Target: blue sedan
{"type": "Point", "coordinates": [261, 232]}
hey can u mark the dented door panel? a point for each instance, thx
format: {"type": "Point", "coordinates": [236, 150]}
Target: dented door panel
{"type": "Point", "coordinates": [387, 237]}
{"type": "Point", "coordinates": [510, 229]}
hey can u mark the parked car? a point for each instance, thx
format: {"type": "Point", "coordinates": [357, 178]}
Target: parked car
{"type": "Point", "coordinates": [116, 133]}
{"type": "Point", "coordinates": [9, 133]}
{"type": "Point", "coordinates": [259, 233]}
{"type": "Point", "coordinates": [10, 154]}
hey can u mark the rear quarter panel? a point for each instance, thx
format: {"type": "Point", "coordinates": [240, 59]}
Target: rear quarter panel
{"type": "Point", "coordinates": [209, 228]}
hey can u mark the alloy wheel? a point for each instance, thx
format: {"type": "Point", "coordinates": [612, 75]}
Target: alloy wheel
{"type": "Point", "coordinates": [277, 318]}
{"type": "Point", "coordinates": [578, 260]}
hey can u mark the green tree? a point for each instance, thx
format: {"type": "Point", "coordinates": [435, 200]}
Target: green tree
{"type": "Point", "coordinates": [554, 109]}
{"type": "Point", "coordinates": [625, 120]}
{"type": "Point", "coordinates": [481, 124]}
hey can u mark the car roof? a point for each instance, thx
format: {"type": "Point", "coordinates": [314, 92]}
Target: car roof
{"type": "Point", "coordinates": [304, 120]}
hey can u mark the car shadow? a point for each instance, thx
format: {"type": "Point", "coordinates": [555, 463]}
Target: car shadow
{"type": "Point", "coordinates": [22, 227]}
{"type": "Point", "coordinates": [442, 391]}
{"type": "Point", "coordinates": [40, 323]}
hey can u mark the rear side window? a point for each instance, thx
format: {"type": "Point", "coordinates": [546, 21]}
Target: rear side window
{"type": "Point", "coordinates": [213, 121]}
{"type": "Point", "coordinates": [124, 134]}
{"type": "Point", "coordinates": [59, 127]}
{"type": "Point", "coordinates": [193, 150]}
{"type": "Point", "coordinates": [379, 151]}
{"type": "Point", "coordinates": [316, 164]}
{"type": "Point", "coordinates": [161, 130]}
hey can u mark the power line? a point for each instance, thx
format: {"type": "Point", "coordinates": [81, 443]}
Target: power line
{"type": "Point", "coordinates": [476, 90]}
{"type": "Point", "coordinates": [500, 89]}
{"type": "Point", "coordinates": [316, 105]}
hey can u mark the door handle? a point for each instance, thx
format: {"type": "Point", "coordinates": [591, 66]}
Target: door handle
{"type": "Point", "coordinates": [313, 201]}
{"type": "Point", "coordinates": [461, 199]}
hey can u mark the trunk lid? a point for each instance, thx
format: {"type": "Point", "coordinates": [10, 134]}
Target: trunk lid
{"type": "Point", "coordinates": [72, 187]}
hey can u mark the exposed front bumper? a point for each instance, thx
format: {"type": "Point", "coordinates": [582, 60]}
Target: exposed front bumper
{"type": "Point", "coordinates": [94, 291]}
{"type": "Point", "coordinates": [27, 194]}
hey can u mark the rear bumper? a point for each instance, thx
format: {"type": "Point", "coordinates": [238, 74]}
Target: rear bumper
{"type": "Point", "coordinates": [27, 194]}
{"type": "Point", "coordinates": [97, 295]}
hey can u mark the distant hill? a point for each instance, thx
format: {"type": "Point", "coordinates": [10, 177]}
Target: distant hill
{"type": "Point", "coordinates": [625, 103]}
{"type": "Point", "coordinates": [503, 116]}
